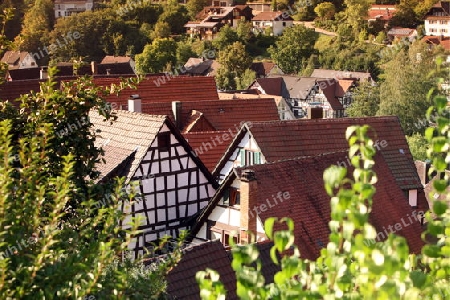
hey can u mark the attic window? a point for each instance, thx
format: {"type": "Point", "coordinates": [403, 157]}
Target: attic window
{"type": "Point", "coordinates": [164, 141]}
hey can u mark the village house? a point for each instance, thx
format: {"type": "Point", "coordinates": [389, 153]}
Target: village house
{"type": "Point", "coordinates": [212, 18]}
{"type": "Point", "coordinates": [294, 188]}
{"type": "Point", "coordinates": [304, 94]}
{"type": "Point", "coordinates": [275, 21]}
{"type": "Point", "coordinates": [437, 20]}
{"type": "Point", "coordinates": [264, 142]}
{"type": "Point", "coordinates": [380, 13]}
{"type": "Point", "coordinates": [398, 33]}
{"type": "Point", "coordinates": [19, 60]}
{"type": "Point", "coordinates": [65, 8]}
{"type": "Point", "coordinates": [265, 68]}
{"type": "Point", "coordinates": [148, 150]}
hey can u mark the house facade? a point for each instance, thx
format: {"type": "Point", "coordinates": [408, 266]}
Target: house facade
{"type": "Point", "coordinates": [172, 183]}
{"type": "Point", "coordinates": [437, 20]}
{"type": "Point", "coordinates": [65, 8]}
{"type": "Point", "coordinates": [212, 18]}
{"type": "Point", "coordinates": [276, 21]}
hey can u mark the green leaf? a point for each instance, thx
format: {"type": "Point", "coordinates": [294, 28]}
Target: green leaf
{"type": "Point", "coordinates": [418, 278]}
{"type": "Point", "coordinates": [268, 227]}
{"type": "Point", "coordinates": [439, 207]}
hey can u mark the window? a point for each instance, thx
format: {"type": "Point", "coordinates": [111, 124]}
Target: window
{"type": "Point", "coordinates": [164, 141]}
{"type": "Point", "coordinates": [250, 157]}
{"type": "Point", "coordinates": [443, 22]}
{"type": "Point", "coordinates": [231, 197]}
{"type": "Point", "coordinates": [284, 24]}
{"type": "Point", "coordinates": [444, 30]}
{"type": "Point", "coordinates": [226, 239]}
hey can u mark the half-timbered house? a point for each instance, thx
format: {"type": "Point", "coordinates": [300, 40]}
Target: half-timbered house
{"type": "Point", "coordinates": [173, 183]}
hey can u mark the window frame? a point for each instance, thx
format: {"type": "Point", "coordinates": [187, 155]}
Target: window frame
{"type": "Point", "coordinates": [164, 141]}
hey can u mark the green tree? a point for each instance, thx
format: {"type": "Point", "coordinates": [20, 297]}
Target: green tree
{"type": "Point", "coordinates": [366, 100]}
{"type": "Point", "coordinates": [325, 10]}
{"type": "Point", "coordinates": [418, 146]}
{"type": "Point", "coordinates": [157, 56]}
{"type": "Point", "coordinates": [244, 31]}
{"type": "Point", "coordinates": [293, 48]}
{"type": "Point", "coordinates": [355, 14]}
{"type": "Point", "coordinates": [405, 86]}
{"type": "Point", "coordinates": [37, 24]}
{"type": "Point", "coordinates": [176, 16]}
{"type": "Point", "coordinates": [184, 52]}
{"type": "Point", "coordinates": [195, 6]}
{"type": "Point", "coordinates": [226, 37]}
{"type": "Point", "coordinates": [234, 60]}
{"type": "Point", "coordinates": [161, 30]}
{"type": "Point", "coordinates": [246, 79]}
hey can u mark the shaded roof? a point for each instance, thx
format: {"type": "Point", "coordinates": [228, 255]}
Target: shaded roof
{"type": "Point", "coordinates": [24, 74]}
{"type": "Point", "coordinates": [221, 114]}
{"type": "Point", "coordinates": [441, 6]}
{"type": "Point", "coordinates": [209, 145]}
{"type": "Point", "coordinates": [262, 68]}
{"type": "Point", "coordinates": [201, 67]}
{"type": "Point", "coordinates": [309, 204]}
{"type": "Point", "coordinates": [272, 16]}
{"type": "Point", "coordinates": [324, 73]}
{"type": "Point", "coordinates": [329, 87]}
{"type": "Point", "coordinates": [270, 86]}
{"type": "Point", "coordinates": [181, 282]}
{"type": "Point", "coordinates": [129, 133]}
{"type": "Point", "coordinates": [286, 139]}
{"type": "Point", "coordinates": [295, 86]}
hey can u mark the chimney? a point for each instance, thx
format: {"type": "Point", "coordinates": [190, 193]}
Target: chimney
{"type": "Point", "coordinates": [176, 110]}
{"type": "Point", "coordinates": [249, 197]}
{"type": "Point", "coordinates": [135, 103]}
{"type": "Point", "coordinates": [44, 73]}
{"type": "Point", "coordinates": [94, 67]}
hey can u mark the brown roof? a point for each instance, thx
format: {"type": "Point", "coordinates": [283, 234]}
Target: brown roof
{"type": "Point", "coordinates": [309, 204]}
{"type": "Point", "coordinates": [181, 282]}
{"type": "Point", "coordinates": [12, 90]}
{"type": "Point", "coordinates": [329, 87]}
{"type": "Point", "coordinates": [286, 139]}
{"type": "Point", "coordinates": [13, 57]}
{"type": "Point", "coordinates": [209, 145]}
{"type": "Point", "coordinates": [24, 74]}
{"type": "Point", "coordinates": [325, 73]}
{"type": "Point", "coordinates": [110, 59]}
{"type": "Point", "coordinates": [165, 88]}
{"type": "Point", "coordinates": [272, 16]}
{"type": "Point", "coordinates": [436, 40]}
{"type": "Point", "coordinates": [221, 114]}
{"type": "Point", "coordinates": [262, 68]}
{"type": "Point", "coordinates": [270, 86]}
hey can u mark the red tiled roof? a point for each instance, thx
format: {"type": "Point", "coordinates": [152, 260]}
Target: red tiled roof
{"type": "Point", "coordinates": [165, 88]}
{"type": "Point", "coordinates": [286, 139]}
{"type": "Point", "coordinates": [209, 145]}
{"type": "Point", "coordinates": [222, 114]}
{"type": "Point", "coordinates": [309, 204]}
{"type": "Point", "coordinates": [381, 12]}
{"type": "Point", "coordinates": [181, 282]}
{"type": "Point", "coordinates": [436, 40]}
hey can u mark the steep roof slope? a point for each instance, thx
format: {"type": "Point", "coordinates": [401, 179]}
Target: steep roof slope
{"type": "Point", "coordinates": [309, 204]}
{"type": "Point", "coordinates": [286, 139]}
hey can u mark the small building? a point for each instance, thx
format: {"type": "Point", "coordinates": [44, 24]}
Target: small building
{"type": "Point", "coordinates": [396, 33]}
{"type": "Point", "coordinates": [277, 21]}
{"type": "Point", "coordinates": [19, 60]}
{"type": "Point", "coordinates": [265, 68]}
{"type": "Point", "coordinates": [437, 20]}
{"type": "Point", "coordinates": [381, 13]}
{"type": "Point", "coordinates": [65, 8]}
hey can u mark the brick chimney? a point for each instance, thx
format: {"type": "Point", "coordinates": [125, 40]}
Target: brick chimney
{"type": "Point", "coordinates": [249, 195]}
{"type": "Point", "coordinates": [176, 110]}
{"type": "Point", "coordinates": [135, 103]}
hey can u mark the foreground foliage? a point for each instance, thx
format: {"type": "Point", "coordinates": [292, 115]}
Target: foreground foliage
{"type": "Point", "coordinates": [349, 268]}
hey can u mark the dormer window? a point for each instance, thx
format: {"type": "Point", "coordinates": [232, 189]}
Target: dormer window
{"type": "Point", "coordinates": [249, 157]}
{"type": "Point", "coordinates": [231, 197]}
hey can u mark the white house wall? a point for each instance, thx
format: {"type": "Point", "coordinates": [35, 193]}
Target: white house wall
{"type": "Point", "coordinates": [234, 160]}
{"type": "Point", "coordinates": [173, 188]}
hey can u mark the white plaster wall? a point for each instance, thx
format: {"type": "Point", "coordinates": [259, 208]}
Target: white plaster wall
{"type": "Point", "coordinates": [437, 25]}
